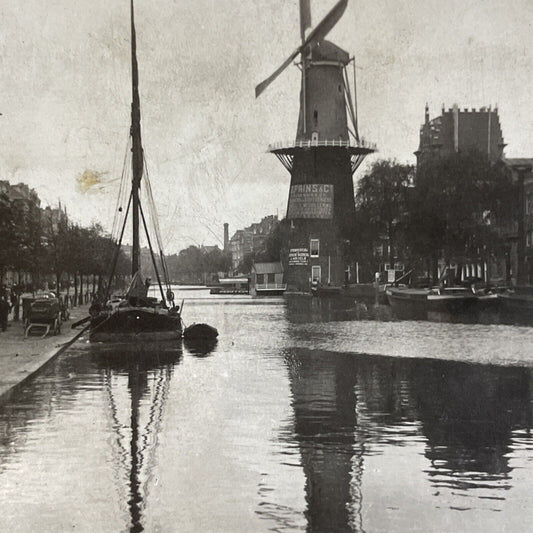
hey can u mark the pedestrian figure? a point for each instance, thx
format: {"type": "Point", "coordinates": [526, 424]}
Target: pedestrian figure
{"type": "Point", "coordinates": [15, 304]}
{"type": "Point", "coordinates": [4, 312]}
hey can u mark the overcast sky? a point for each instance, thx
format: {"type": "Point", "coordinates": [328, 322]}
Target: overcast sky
{"type": "Point", "coordinates": [65, 94]}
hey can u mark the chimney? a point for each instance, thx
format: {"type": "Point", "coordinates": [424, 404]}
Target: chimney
{"type": "Point", "coordinates": [226, 236]}
{"type": "Point", "coordinates": [455, 111]}
{"type": "Point", "coordinates": [427, 113]}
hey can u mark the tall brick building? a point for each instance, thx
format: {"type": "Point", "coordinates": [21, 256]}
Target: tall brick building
{"type": "Point", "coordinates": [457, 130]}
{"type": "Point", "coordinates": [251, 240]}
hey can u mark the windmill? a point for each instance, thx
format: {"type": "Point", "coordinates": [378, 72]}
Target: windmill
{"type": "Point", "coordinates": [322, 159]}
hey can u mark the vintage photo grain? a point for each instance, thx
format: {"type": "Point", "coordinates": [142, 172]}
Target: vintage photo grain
{"type": "Point", "coordinates": [266, 265]}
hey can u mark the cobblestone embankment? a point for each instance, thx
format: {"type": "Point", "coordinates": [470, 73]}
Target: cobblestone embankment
{"type": "Point", "coordinates": [20, 358]}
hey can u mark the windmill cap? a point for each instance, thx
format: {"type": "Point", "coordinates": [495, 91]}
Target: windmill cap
{"type": "Point", "coordinates": [327, 51]}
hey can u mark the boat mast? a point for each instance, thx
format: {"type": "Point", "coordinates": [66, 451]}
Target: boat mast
{"type": "Point", "coordinates": [137, 151]}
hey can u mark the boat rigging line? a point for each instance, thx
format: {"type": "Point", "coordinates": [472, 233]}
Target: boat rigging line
{"type": "Point", "coordinates": [117, 251]}
{"type": "Point", "coordinates": [123, 190]}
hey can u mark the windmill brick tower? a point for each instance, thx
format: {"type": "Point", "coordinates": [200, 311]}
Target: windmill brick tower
{"type": "Point", "coordinates": [322, 159]}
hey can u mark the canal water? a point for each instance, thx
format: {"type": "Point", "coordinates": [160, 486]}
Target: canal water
{"type": "Point", "coordinates": [306, 415]}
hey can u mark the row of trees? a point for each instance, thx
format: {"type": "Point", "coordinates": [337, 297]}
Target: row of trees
{"type": "Point", "coordinates": [195, 264]}
{"type": "Point", "coordinates": [449, 209]}
{"type": "Point", "coordinates": [47, 245]}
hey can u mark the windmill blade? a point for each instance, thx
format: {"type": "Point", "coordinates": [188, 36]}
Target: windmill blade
{"type": "Point", "coordinates": [264, 84]}
{"type": "Point", "coordinates": [305, 17]}
{"type": "Point", "coordinates": [326, 24]}
{"type": "Point", "coordinates": [322, 29]}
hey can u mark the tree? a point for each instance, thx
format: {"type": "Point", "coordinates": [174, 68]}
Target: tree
{"type": "Point", "coordinates": [8, 235]}
{"type": "Point", "coordinates": [455, 199]}
{"type": "Point", "coordinates": [31, 254]}
{"type": "Point", "coordinates": [245, 266]}
{"type": "Point", "coordinates": [381, 205]}
{"type": "Point", "coordinates": [56, 225]}
{"type": "Point", "coordinates": [275, 242]}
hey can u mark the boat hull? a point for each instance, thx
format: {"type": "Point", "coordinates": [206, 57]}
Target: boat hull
{"type": "Point", "coordinates": [135, 323]}
{"type": "Point", "coordinates": [454, 306]}
{"type": "Point", "coordinates": [449, 307]}
{"type": "Point", "coordinates": [408, 304]}
{"type": "Point", "coordinates": [326, 291]}
{"type": "Point", "coordinates": [219, 290]}
{"type": "Point", "coordinates": [269, 292]}
{"type": "Point", "coordinates": [517, 308]}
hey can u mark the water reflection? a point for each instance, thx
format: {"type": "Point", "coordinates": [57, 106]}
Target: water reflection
{"type": "Point", "coordinates": [148, 370]}
{"type": "Point", "coordinates": [468, 414]}
{"type": "Point", "coordinates": [347, 407]}
{"type": "Point", "coordinates": [326, 428]}
{"type": "Point", "coordinates": [284, 428]}
{"type": "Point", "coordinates": [201, 347]}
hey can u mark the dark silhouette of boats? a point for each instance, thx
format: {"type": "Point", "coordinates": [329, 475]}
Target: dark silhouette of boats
{"type": "Point", "coordinates": [442, 304]}
{"type": "Point", "coordinates": [517, 305]}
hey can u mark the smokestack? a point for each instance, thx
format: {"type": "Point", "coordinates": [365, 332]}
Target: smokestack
{"type": "Point", "coordinates": [226, 236]}
{"type": "Point", "coordinates": [455, 110]}
{"type": "Point", "coordinates": [426, 115]}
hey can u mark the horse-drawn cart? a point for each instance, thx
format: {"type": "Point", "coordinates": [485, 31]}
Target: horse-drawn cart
{"type": "Point", "coordinates": [44, 313]}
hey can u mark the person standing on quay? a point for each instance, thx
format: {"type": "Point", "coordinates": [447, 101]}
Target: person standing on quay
{"type": "Point", "coordinates": [4, 312]}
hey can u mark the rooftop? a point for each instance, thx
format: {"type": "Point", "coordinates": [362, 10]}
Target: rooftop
{"type": "Point", "coordinates": [268, 268]}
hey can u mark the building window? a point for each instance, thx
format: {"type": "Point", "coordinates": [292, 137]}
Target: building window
{"type": "Point", "coordinates": [314, 248]}
{"type": "Point", "coordinates": [316, 273]}
{"type": "Point", "coordinates": [529, 238]}
{"type": "Point", "coordinates": [271, 278]}
{"type": "Point", "coordinates": [260, 279]}
{"type": "Point", "coordinates": [314, 137]}
{"type": "Point", "coordinates": [529, 203]}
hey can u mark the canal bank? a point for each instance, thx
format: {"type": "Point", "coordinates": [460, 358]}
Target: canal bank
{"type": "Point", "coordinates": [20, 358]}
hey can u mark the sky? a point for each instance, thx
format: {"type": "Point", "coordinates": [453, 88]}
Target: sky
{"type": "Point", "coordinates": [65, 95]}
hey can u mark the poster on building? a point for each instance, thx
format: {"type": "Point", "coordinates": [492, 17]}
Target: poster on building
{"type": "Point", "coordinates": [298, 257]}
{"type": "Point", "coordinates": [311, 200]}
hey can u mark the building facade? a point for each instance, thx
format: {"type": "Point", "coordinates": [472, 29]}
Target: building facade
{"type": "Point", "coordinates": [517, 231]}
{"type": "Point", "coordinates": [457, 130]}
{"type": "Point", "coordinates": [251, 240]}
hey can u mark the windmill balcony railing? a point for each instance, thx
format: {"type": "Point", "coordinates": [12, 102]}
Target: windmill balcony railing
{"type": "Point", "coordinates": [283, 145]}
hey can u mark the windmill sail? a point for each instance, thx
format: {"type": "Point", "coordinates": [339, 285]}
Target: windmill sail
{"type": "Point", "coordinates": [305, 17]}
{"type": "Point", "coordinates": [319, 33]}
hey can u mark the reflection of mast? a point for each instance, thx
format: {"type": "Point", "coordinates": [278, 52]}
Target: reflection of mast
{"type": "Point", "coordinates": [142, 369]}
{"type": "Point", "coordinates": [135, 382]}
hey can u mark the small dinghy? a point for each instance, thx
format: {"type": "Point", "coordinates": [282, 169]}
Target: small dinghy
{"type": "Point", "coordinates": [199, 332]}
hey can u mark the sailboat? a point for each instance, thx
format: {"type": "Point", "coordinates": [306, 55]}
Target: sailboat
{"type": "Point", "coordinates": [136, 315]}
